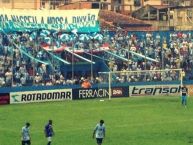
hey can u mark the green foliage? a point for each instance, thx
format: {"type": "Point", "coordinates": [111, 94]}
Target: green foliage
{"type": "Point", "coordinates": [129, 121]}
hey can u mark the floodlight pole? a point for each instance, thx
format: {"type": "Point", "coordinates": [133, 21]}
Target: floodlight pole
{"type": "Point", "coordinates": [91, 49]}
{"type": "Point", "coordinates": [181, 77]}
{"type": "Point", "coordinates": [91, 65]}
{"type": "Point", "coordinates": [73, 63]}
{"type": "Point", "coordinates": [110, 90]}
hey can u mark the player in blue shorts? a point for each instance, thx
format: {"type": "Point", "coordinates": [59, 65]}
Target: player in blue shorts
{"type": "Point", "coordinates": [99, 132]}
{"type": "Point", "coordinates": [49, 132]}
{"type": "Point", "coordinates": [184, 91]}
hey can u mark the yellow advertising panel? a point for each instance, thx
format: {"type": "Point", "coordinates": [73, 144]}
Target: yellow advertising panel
{"type": "Point", "coordinates": [190, 90]}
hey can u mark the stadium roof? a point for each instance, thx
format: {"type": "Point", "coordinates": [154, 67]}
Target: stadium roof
{"type": "Point", "coordinates": [114, 20]}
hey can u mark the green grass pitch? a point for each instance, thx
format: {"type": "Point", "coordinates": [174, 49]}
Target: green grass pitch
{"type": "Point", "coordinates": [129, 121]}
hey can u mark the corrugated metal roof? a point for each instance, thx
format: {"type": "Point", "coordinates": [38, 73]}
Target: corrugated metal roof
{"type": "Point", "coordinates": [112, 20]}
{"type": "Point", "coordinates": [116, 18]}
{"type": "Point", "coordinates": [159, 7]}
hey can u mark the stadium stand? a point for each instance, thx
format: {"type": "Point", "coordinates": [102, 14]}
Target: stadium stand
{"type": "Point", "coordinates": [37, 58]}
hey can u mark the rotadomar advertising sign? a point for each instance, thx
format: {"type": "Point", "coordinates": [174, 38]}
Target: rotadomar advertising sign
{"type": "Point", "coordinates": [40, 96]}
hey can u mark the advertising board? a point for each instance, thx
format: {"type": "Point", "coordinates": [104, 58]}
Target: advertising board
{"type": "Point", "coordinates": [152, 90]}
{"type": "Point", "coordinates": [4, 98]}
{"type": "Point", "coordinates": [100, 93]}
{"type": "Point", "coordinates": [190, 90]}
{"type": "Point", "coordinates": [40, 96]}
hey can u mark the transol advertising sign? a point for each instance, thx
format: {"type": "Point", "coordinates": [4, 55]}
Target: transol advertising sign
{"type": "Point", "coordinates": [151, 90]}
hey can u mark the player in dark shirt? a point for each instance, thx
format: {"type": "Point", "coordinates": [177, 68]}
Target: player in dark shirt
{"type": "Point", "coordinates": [49, 132]}
{"type": "Point", "coordinates": [184, 91]}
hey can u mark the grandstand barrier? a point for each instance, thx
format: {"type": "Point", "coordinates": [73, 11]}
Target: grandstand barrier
{"type": "Point", "coordinates": [75, 92]}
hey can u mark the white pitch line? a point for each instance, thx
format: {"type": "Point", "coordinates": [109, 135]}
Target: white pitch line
{"type": "Point", "coordinates": [119, 126]}
{"type": "Point", "coordinates": [152, 123]}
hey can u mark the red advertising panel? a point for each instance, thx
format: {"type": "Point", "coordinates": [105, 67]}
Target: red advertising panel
{"type": "Point", "coordinates": [117, 92]}
{"type": "Point", "coordinates": [4, 98]}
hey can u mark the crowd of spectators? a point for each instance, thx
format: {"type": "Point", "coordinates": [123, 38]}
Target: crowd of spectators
{"type": "Point", "coordinates": [25, 57]}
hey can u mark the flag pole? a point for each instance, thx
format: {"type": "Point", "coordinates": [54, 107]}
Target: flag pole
{"type": "Point", "coordinates": [73, 61]}
{"type": "Point", "coordinates": [91, 48]}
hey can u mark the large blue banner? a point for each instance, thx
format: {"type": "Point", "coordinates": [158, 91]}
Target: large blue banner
{"type": "Point", "coordinates": [67, 20]}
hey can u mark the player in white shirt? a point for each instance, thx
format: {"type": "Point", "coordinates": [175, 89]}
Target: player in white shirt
{"type": "Point", "coordinates": [99, 132]}
{"type": "Point", "coordinates": [25, 136]}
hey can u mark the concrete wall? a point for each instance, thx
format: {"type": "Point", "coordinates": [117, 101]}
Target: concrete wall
{"type": "Point", "coordinates": [181, 20]}
{"type": "Point", "coordinates": [20, 4]}
{"type": "Point", "coordinates": [153, 2]}
{"type": "Point", "coordinates": [82, 5]}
